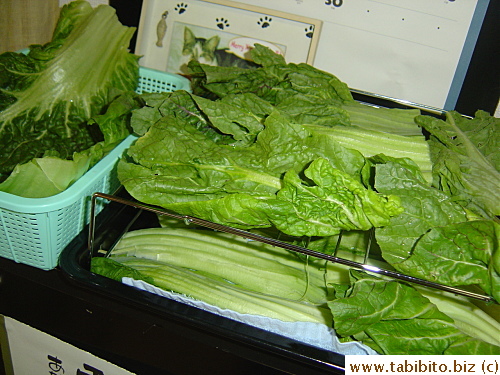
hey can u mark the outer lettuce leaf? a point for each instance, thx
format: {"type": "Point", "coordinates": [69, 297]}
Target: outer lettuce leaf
{"type": "Point", "coordinates": [394, 318]}
{"type": "Point", "coordinates": [44, 177]}
{"type": "Point", "coordinates": [49, 95]}
{"type": "Point", "coordinates": [331, 202]}
{"type": "Point", "coordinates": [466, 158]}
{"type": "Point", "coordinates": [433, 238]}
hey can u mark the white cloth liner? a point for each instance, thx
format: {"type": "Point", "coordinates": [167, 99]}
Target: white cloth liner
{"type": "Point", "coordinates": [314, 334]}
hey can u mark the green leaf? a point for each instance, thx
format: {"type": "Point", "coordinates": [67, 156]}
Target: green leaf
{"type": "Point", "coordinates": [116, 271]}
{"type": "Point", "coordinates": [394, 318]}
{"type": "Point", "coordinates": [51, 175]}
{"type": "Point", "coordinates": [458, 254]}
{"type": "Point", "coordinates": [466, 159]}
{"type": "Point", "coordinates": [265, 57]}
{"type": "Point", "coordinates": [233, 119]}
{"type": "Point", "coordinates": [179, 164]}
{"type": "Point", "coordinates": [44, 177]}
{"type": "Point", "coordinates": [433, 238]}
{"type": "Point", "coordinates": [327, 202]}
{"type": "Point", "coordinates": [425, 207]}
{"type": "Point", "coordinates": [114, 122]}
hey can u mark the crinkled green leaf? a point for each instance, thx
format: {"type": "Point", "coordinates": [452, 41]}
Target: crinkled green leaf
{"type": "Point", "coordinates": [327, 202]}
{"type": "Point", "coordinates": [433, 238]}
{"type": "Point", "coordinates": [424, 208]}
{"type": "Point", "coordinates": [466, 159]}
{"type": "Point", "coordinates": [232, 119]}
{"type": "Point", "coordinates": [458, 254]}
{"type": "Point", "coordinates": [394, 318]}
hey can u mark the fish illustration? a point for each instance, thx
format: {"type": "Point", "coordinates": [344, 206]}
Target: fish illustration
{"type": "Point", "coordinates": [161, 29]}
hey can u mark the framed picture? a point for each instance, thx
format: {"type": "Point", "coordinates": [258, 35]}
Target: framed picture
{"type": "Point", "coordinates": [219, 32]}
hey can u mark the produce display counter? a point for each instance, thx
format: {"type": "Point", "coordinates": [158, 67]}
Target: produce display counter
{"type": "Point", "coordinates": [141, 332]}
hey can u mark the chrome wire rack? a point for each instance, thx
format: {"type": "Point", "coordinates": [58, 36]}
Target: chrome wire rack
{"type": "Point", "coordinates": [274, 242]}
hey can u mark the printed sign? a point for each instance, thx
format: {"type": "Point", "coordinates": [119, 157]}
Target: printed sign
{"type": "Point", "coordinates": [35, 352]}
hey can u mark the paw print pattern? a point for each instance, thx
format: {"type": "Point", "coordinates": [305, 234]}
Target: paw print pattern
{"type": "Point", "coordinates": [222, 23]}
{"type": "Point", "coordinates": [309, 31]}
{"type": "Point", "coordinates": [181, 8]}
{"type": "Point", "coordinates": [265, 22]}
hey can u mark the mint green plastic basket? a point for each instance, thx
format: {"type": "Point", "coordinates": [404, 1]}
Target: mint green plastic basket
{"type": "Point", "coordinates": [151, 80]}
{"type": "Point", "coordinates": [34, 231]}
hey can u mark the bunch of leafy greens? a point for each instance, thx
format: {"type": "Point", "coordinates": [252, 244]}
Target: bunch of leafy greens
{"type": "Point", "coordinates": [466, 161]}
{"type": "Point", "coordinates": [321, 102]}
{"type": "Point", "coordinates": [285, 147]}
{"type": "Point", "coordinates": [49, 95]}
{"type": "Point", "coordinates": [394, 318]}
{"type": "Point", "coordinates": [275, 174]}
{"type": "Point", "coordinates": [397, 318]}
{"type": "Point", "coordinates": [270, 281]}
{"type": "Point", "coordinates": [465, 171]}
{"type": "Point", "coordinates": [199, 263]}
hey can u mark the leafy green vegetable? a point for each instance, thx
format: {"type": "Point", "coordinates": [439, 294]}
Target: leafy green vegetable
{"type": "Point", "coordinates": [389, 316]}
{"type": "Point", "coordinates": [313, 97]}
{"type": "Point", "coordinates": [49, 95]}
{"type": "Point", "coordinates": [47, 176]}
{"type": "Point", "coordinates": [466, 159]}
{"type": "Point", "coordinates": [50, 175]}
{"type": "Point", "coordinates": [260, 268]}
{"type": "Point", "coordinates": [334, 199]}
{"type": "Point", "coordinates": [394, 318]}
{"type": "Point", "coordinates": [372, 142]}
{"type": "Point", "coordinates": [256, 181]}
{"type": "Point", "coordinates": [436, 258]}
{"type": "Point", "coordinates": [218, 292]}
{"type": "Point", "coordinates": [424, 208]}
{"type": "Point", "coordinates": [433, 238]}
{"type": "Point", "coordinates": [469, 318]}
{"type": "Point", "coordinates": [115, 270]}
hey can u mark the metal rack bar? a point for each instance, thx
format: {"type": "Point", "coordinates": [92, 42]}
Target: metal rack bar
{"type": "Point", "coordinates": [284, 245]}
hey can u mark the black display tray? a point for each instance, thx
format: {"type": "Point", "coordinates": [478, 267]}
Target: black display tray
{"type": "Point", "coordinates": [282, 354]}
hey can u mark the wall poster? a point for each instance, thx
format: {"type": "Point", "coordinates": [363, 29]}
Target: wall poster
{"type": "Point", "coordinates": [219, 32]}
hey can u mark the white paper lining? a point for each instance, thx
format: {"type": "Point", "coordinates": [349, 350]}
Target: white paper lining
{"type": "Point", "coordinates": [318, 335]}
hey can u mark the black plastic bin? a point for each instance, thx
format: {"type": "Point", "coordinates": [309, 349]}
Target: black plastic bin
{"type": "Point", "coordinates": [249, 348]}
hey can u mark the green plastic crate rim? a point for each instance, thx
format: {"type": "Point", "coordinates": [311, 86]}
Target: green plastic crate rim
{"type": "Point", "coordinates": [34, 231]}
{"type": "Point", "coordinates": [151, 80]}
{"type": "Point", "coordinates": [39, 205]}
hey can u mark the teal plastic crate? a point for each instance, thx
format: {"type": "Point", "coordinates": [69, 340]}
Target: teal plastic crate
{"type": "Point", "coordinates": [151, 80]}
{"type": "Point", "coordinates": [34, 231]}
